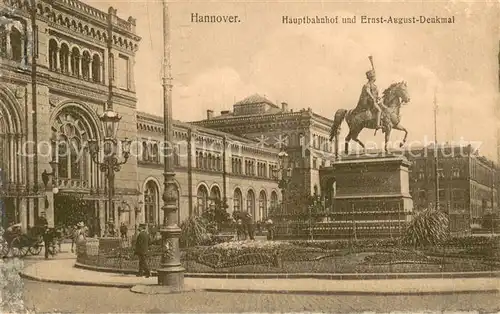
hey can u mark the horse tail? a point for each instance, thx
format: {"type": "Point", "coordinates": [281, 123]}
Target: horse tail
{"type": "Point", "coordinates": [337, 121]}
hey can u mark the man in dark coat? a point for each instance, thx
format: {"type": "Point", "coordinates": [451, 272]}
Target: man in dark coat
{"type": "Point", "coordinates": [41, 227]}
{"type": "Point", "coordinates": [141, 250]}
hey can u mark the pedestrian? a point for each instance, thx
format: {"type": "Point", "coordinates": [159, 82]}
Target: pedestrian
{"type": "Point", "coordinates": [81, 239]}
{"type": "Point", "coordinates": [240, 230]}
{"type": "Point", "coordinates": [270, 229]}
{"type": "Point", "coordinates": [41, 228]}
{"type": "Point", "coordinates": [73, 234]}
{"type": "Point", "coordinates": [123, 231]}
{"type": "Point", "coordinates": [250, 226]}
{"type": "Point", "coordinates": [141, 250]}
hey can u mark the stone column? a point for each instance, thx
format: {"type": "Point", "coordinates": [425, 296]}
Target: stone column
{"type": "Point", "coordinates": [23, 211]}
{"type": "Point", "coordinates": [131, 76]}
{"type": "Point", "coordinates": [80, 61]}
{"type": "Point", "coordinates": [70, 63]}
{"type": "Point", "coordinates": [91, 77]}
{"type": "Point", "coordinates": [58, 61]}
{"type": "Point", "coordinates": [9, 47]}
{"type": "Point", "coordinates": [49, 211]}
{"type": "Point", "coordinates": [102, 222]}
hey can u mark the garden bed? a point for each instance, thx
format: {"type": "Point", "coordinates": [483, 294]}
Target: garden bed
{"type": "Point", "coordinates": [335, 257]}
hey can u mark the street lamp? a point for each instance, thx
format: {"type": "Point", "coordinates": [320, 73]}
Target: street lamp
{"type": "Point", "coordinates": [110, 163]}
{"type": "Point", "coordinates": [171, 272]}
{"type": "Point", "coordinates": [284, 179]}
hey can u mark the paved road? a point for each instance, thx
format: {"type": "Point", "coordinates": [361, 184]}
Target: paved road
{"type": "Point", "coordinates": [64, 298]}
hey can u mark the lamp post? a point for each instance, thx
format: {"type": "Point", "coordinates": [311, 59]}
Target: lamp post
{"type": "Point", "coordinates": [171, 272]}
{"type": "Point", "coordinates": [284, 179]}
{"type": "Point", "coordinates": [110, 162]}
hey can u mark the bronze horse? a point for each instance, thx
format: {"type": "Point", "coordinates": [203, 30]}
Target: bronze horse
{"type": "Point", "coordinates": [362, 117]}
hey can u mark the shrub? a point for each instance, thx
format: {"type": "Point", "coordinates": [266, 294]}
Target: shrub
{"type": "Point", "coordinates": [428, 227]}
{"type": "Point", "coordinates": [194, 231]}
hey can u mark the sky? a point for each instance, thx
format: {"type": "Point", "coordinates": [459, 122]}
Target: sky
{"type": "Point", "coordinates": [323, 66]}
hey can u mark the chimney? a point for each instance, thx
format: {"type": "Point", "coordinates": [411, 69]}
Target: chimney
{"type": "Point", "coordinates": [210, 114]}
{"type": "Point", "coordinates": [284, 106]}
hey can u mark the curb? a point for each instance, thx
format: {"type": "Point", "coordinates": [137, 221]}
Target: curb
{"type": "Point", "coordinates": [367, 276]}
{"type": "Point", "coordinates": [352, 293]}
{"type": "Point", "coordinates": [262, 291]}
{"type": "Point", "coordinates": [77, 283]}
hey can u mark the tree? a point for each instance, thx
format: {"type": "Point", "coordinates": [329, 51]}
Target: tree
{"type": "Point", "coordinates": [217, 215]}
{"type": "Point", "coordinates": [70, 209]}
{"type": "Point", "coordinates": [194, 231]}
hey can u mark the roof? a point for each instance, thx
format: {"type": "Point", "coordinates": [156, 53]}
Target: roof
{"type": "Point", "coordinates": [255, 99]}
{"type": "Point", "coordinates": [144, 116]}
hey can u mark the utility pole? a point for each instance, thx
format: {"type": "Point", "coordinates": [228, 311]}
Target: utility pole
{"type": "Point", "coordinates": [436, 152]}
{"type": "Point", "coordinates": [109, 106]}
{"type": "Point", "coordinates": [171, 273]}
{"type": "Point", "coordinates": [34, 55]}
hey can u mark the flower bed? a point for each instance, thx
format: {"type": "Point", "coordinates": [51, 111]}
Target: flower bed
{"type": "Point", "coordinates": [308, 257]}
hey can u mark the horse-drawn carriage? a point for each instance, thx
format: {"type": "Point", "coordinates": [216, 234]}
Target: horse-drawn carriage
{"type": "Point", "coordinates": [18, 244]}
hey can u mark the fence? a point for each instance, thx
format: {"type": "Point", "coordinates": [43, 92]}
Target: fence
{"type": "Point", "coordinates": [337, 230]}
{"type": "Point", "coordinates": [469, 254]}
{"type": "Point", "coordinates": [114, 253]}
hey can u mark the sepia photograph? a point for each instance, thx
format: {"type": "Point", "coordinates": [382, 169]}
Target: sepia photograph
{"type": "Point", "coordinates": [169, 156]}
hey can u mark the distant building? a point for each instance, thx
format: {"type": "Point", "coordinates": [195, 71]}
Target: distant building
{"type": "Point", "coordinates": [467, 189]}
{"type": "Point", "coordinates": [303, 134]}
{"type": "Point", "coordinates": [209, 165]}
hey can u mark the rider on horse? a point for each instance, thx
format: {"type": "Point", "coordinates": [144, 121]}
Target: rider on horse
{"type": "Point", "coordinates": [369, 96]}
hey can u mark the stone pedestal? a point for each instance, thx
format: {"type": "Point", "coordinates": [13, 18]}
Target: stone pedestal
{"type": "Point", "coordinates": [371, 195]}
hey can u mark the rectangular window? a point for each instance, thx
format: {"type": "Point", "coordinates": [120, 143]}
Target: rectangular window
{"type": "Point", "coordinates": [442, 195]}
{"type": "Point", "coordinates": [123, 72]}
{"type": "Point", "coordinates": [315, 163]}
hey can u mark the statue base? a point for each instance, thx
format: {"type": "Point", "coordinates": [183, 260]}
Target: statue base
{"type": "Point", "coordinates": [371, 195]}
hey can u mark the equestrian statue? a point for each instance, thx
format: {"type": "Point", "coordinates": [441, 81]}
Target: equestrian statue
{"type": "Point", "coordinates": [372, 112]}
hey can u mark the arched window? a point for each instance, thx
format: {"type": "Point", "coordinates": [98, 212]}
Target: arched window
{"type": "Point", "coordinates": [205, 161]}
{"type": "Point", "coordinates": [177, 157]}
{"type": "Point", "coordinates": [197, 160]}
{"type": "Point", "coordinates": [96, 68]}
{"type": "Point", "coordinates": [86, 65]}
{"type": "Point", "coordinates": [72, 161]}
{"type": "Point", "coordinates": [75, 62]}
{"type": "Point", "coordinates": [315, 190]}
{"type": "Point", "coordinates": [155, 157]}
{"type": "Point", "coordinates": [16, 44]}
{"type": "Point", "coordinates": [251, 202]}
{"type": "Point", "coordinates": [202, 196]}
{"type": "Point", "coordinates": [144, 151]}
{"type": "Point", "coordinates": [150, 202]}
{"type": "Point", "coordinates": [63, 58]}
{"type": "Point", "coordinates": [53, 54]}
{"type": "Point", "coordinates": [237, 200]}
{"type": "Point", "coordinates": [274, 199]}
{"type": "Point", "coordinates": [262, 205]}
{"type": "Point", "coordinates": [215, 193]}
{"type": "Point", "coordinates": [76, 163]}
{"type": "Point", "coordinates": [209, 162]}
{"type": "Point", "coordinates": [63, 157]}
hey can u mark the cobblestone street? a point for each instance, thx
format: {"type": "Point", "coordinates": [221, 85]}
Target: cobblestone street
{"type": "Point", "coordinates": [64, 298]}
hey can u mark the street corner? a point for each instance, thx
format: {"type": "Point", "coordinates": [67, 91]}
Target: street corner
{"type": "Point", "coordinates": [157, 289]}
